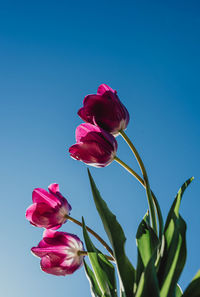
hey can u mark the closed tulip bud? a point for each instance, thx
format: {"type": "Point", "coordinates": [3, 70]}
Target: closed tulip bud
{"type": "Point", "coordinates": [94, 146]}
{"type": "Point", "coordinates": [59, 252]}
{"type": "Point", "coordinates": [49, 209]}
{"type": "Point", "coordinates": [105, 110]}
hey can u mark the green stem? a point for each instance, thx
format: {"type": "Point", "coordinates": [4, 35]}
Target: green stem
{"type": "Point", "coordinates": [131, 171]}
{"type": "Point", "coordinates": [146, 180]}
{"type": "Point", "coordinates": [94, 234]}
{"type": "Point", "coordinates": [85, 253]}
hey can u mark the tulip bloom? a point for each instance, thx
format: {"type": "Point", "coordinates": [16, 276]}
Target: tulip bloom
{"type": "Point", "coordinates": [59, 252]}
{"type": "Point", "coordinates": [105, 110]}
{"type": "Point", "coordinates": [94, 146]}
{"type": "Point", "coordinates": [49, 209]}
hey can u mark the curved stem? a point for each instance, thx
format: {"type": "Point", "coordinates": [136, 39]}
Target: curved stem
{"type": "Point", "coordinates": [85, 253]}
{"type": "Point", "coordinates": [130, 170]}
{"type": "Point", "coordinates": [158, 210]}
{"type": "Point", "coordinates": [94, 234]}
{"type": "Point", "coordinates": [146, 181]}
{"type": "Point", "coordinates": [138, 177]}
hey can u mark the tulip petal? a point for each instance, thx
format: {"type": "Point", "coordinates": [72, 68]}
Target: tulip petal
{"type": "Point", "coordinates": [30, 210]}
{"type": "Point", "coordinates": [104, 88]}
{"type": "Point", "coordinates": [54, 188]}
{"type": "Point", "coordinates": [90, 153]}
{"type": "Point", "coordinates": [42, 196]}
{"type": "Point", "coordinates": [47, 266]}
{"type": "Point", "coordinates": [89, 133]}
{"type": "Point", "coordinates": [84, 129]}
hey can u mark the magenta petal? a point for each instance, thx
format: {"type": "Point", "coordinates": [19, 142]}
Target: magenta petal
{"type": "Point", "coordinates": [92, 157]}
{"type": "Point", "coordinates": [87, 133]}
{"type": "Point", "coordinates": [55, 238]}
{"type": "Point", "coordinates": [42, 196]}
{"type": "Point", "coordinates": [46, 266]}
{"type": "Point", "coordinates": [104, 88]}
{"type": "Point", "coordinates": [51, 249]}
{"type": "Point", "coordinates": [54, 188]}
{"type": "Point", "coordinates": [30, 210]}
{"type": "Point", "coordinates": [49, 233]}
{"type": "Point", "coordinates": [35, 215]}
{"type": "Point", "coordinates": [84, 129]}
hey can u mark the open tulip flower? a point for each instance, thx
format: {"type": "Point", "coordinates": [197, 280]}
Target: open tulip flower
{"type": "Point", "coordinates": [49, 209]}
{"type": "Point", "coordinates": [105, 110]}
{"type": "Point", "coordinates": [94, 146]}
{"type": "Point", "coordinates": [59, 252]}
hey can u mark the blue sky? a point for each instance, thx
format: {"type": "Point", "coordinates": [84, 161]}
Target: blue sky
{"type": "Point", "coordinates": [52, 54]}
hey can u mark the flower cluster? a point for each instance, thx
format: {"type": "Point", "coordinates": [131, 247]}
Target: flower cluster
{"type": "Point", "coordinates": [161, 248]}
{"type": "Point", "coordinates": [105, 117]}
{"type": "Point", "coordinates": [59, 251]}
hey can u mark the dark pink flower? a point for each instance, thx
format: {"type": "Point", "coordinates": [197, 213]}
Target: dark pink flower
{"type": "Point", "coordinates": [105, 110]}
{"type": "Point", "coordinates": [49, 209]}
{"type": "Point", "coordinates": [59, 252]}
{"type": "Point", "coordinates": [94, 146]}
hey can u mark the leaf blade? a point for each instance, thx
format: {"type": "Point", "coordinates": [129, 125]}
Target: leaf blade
{"type": "Point", "coordinates": [148, 284]}
{"type": "Point", "coordinates": [94, 287]}
{"type": "Point", "coordinates": [174, 242]}
{"type": "Point", "coordinates": [104, 271]}
{"type": "Point", "coordinates": [147, 242]}
{"type": "Point", "coordinates": [117, 239]}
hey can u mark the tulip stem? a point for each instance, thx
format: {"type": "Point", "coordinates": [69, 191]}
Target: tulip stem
{"type": "Point", "coordinates": [85, 253]}
{"type": "Point", "coordinates": [145, 177]}
{"type": "Point", "coordinates": [150, 202]}
{"type": "Point", "coordinates": [94, 234]}
{"type": "Point", "coordinates": [137, 176]}
{"type": "Point", "coordinates": [129, 169]}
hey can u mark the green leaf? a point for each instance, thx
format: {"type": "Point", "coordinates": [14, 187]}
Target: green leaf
{"type": "Point", "coordinates": [147, 218]}
{"type": "Point", "coordinates": [159, 214]}
{"type": "Point", "coordinates": [174, 254]}
{"type": "Point", "coordinates": [117, 239]}
{"type": "Point", "coordinates": [178, 292]}
{"type": "Point", "coordinates": [176, 204]}
{"type": "Point", "coordinates": [94, 287]}
{"type": "Point", "coordinates": [173, 260]}
{"type": "Point", "coordinates": [193, 290]}
{"type": "Point", "coordinates": [147, 242]}
{"type": "Point", "coordinates": [148, 284]}
{"type": "Point", "coordinates": [103, 270]}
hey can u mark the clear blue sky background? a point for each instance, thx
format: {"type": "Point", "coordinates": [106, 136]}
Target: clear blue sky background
{"type": "Point", "coordinates": [53, 53]}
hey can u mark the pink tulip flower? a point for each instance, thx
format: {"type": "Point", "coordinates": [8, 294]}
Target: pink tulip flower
{"type": "Point", "coordinates": [49, 209]}
{"type": "Point", "coordinates": [105, 110]}
{"type": "Point", "coordinates": [59, 252]}
{"type": "Point", "coordinates": [94, 146]}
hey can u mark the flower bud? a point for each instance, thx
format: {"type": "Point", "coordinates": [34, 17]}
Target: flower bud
{"type": "Point", "coordinates": [59, 252]}
{"type": "Point", "coordinates": [105, 110]}
{"type": "Point", "coordinates": [94, 146]}
{"type": "Point", "coordinates": [49, 209]}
